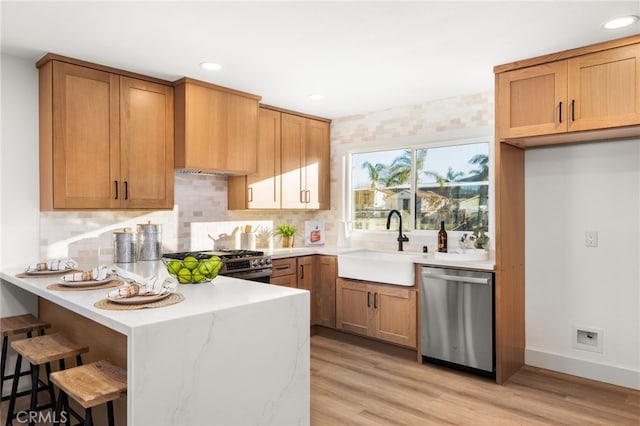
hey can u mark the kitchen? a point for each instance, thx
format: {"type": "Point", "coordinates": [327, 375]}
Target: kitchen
{"type": "Point", "coordinates": [465, 116]}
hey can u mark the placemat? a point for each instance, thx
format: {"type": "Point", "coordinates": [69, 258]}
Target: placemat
{"type": "Point", "coordinates": [172, 299]}
{"type": "Point", "coordinates": [60, 287]}
{"type": "Point", "coordinates": [51, 275]}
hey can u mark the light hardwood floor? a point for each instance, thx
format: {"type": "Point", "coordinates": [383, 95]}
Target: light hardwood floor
{"type": "Point", "coordinates": [354, 385]}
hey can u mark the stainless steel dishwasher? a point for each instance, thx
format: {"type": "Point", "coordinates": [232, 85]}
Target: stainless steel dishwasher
{"type": "Point", "coordinates": [457, 319]}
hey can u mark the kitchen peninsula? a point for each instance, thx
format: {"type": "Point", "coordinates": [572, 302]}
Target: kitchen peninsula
{"type": "Point", "coordinates": [232, 352]}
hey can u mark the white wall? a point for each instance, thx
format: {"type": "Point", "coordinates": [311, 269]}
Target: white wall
{"type": "Point", "coordinates": [570, 190]}
{"type": "Point", "coordinates": [19, 216]}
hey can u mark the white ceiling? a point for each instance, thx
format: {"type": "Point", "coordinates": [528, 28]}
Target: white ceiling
{"type": "Point", "coordinates": [362, 56]}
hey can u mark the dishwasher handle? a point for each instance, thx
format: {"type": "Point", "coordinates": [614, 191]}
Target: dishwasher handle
{"type": "Point", "coordinates": [470, 280]}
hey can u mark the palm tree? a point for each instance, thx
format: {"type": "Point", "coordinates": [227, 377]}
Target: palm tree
{"type": "Point", "coordinates": [375, 172]}
{"type": "Point", "coordinates": [481, 161]}
{"type": "Point", "coordinates": [399, 171]}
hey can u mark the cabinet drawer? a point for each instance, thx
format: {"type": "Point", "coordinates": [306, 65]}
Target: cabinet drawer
{"type": "Point", "coordinates": [281, 267]}
{"type": "Point", "coordinates": [285, 280]}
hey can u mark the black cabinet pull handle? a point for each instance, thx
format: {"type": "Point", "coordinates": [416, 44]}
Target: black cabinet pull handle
{"type": "Point", "coordinates": [368, 299]}
{"type": "Point", "coordinates": [302, 272]}
{"type": "Point", "coordinates": [560, 113]}
{"type": "Point", "coordinates": [573, 110]}
{"type": "Point", "coordinates": [375, 300]}
{"type": "Point", "coordinates": [115, 183]}
{"type": "Point", "coordinates": [126, 190]}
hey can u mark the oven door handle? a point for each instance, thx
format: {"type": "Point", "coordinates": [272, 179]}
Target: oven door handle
{"type": "Point", "coordinates": [252, 274]}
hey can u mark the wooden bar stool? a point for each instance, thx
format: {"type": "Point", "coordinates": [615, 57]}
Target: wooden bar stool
{"type": "Point", "coordinates": [15, 325]}
{"type": "Point", "coordinates": [38, 351]}
{"type": "Point", "coordinates": [90, 385]}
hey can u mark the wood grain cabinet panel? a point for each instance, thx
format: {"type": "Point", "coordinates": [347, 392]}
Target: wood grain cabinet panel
{"type": "Point", "coordinates": [293, 165]}
{"type": "Point", "coordinates": [593, 91]}
{"type": "Point", "coordinates": [260, 190]}
{"type": "Point", "coordinates": [216, 128]}
{"type": "Point", "coordinates": [384, 312]}
{"type": "Point", "coordinates": [106, 140]}
{"type": "Point", "coordinates": [324, 291]}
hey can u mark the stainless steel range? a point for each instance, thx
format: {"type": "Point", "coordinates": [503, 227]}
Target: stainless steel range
{"type": "Point", "coordinates": [245, 264]}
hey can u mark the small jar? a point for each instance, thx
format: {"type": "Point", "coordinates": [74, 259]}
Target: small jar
{"type": "Point", "coordinates": [124, 246]}
{"type": "Point", "coordinates": [149, 241]}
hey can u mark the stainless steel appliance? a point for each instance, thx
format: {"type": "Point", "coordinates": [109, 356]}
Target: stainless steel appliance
{"type": "Point", "coordinates": [245, 264]}
{"type": "Point", "coordinates": [457, 319]}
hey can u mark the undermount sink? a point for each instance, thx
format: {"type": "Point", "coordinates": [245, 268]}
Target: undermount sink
{"type": "Point", "coordinates": [463, 255]}
{"type": "Point", "coordinates": [388, 267]}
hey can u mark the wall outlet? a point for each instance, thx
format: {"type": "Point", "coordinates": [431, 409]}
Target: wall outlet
{"type": "Point", "coordinates": [587, 338]}
{"type": "Point", "coordinates": [591, 239]}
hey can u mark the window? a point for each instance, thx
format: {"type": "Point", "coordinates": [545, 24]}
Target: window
{"type": "Point", "coordinates": [426, 185]}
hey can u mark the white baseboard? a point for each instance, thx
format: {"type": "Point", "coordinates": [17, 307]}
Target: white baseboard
{"type": "Point", "coordinates": [588, 369]}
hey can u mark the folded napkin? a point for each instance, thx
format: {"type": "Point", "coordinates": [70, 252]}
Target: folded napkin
{"type": "Point", "coordinates": [96, 274]}
{"type": "Point", "coordinates": [140, 286]}
{"type": "Point", "coordinates": [54, 265]}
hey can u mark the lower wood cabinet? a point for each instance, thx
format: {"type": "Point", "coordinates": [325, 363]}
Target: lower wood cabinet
{"type": "Point", "coordinates": [315, 273]}
{"type": "Point", "coordinates": [384, 312]}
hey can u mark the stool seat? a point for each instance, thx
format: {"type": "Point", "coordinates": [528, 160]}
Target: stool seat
{"type": "Point", "coordinates": [21, 324]}
{"type": "Point", "coordinates": [92, 384]}
{"type": "Point", "coordinates": [13, 326]}
{"type": "Point", "coordinates": [51, 347]}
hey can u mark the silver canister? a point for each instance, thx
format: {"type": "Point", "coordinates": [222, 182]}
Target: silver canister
{"type": "Point", "coordinates": [124, 246]}
{"type": "Point", "coordinates": [149, 241]}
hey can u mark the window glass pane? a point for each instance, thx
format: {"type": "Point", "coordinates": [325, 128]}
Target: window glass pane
{"type": "Point", "coordinates": [452, 184]}
{"type": "Point", "coordinates": [380, 182]}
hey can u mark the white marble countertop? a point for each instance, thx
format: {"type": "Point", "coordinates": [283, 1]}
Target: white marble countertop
{"type": "Point", "coordinates": [426, 259]}
{"type": "Point", "coordinates": [220, 294]}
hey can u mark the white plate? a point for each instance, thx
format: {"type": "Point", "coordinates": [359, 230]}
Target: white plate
{"type": "Point", "coordinates": [89, 283]}
{"type": "Point", "coordinates": [47, 272]}
{"type": "Point", "coordinates": [139, 300]}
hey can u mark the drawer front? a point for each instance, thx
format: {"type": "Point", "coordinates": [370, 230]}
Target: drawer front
{"type": "Point", "coordinates": [281, 267]}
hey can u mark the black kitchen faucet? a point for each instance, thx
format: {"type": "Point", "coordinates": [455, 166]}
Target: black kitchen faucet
{"type": "Point", "coordinates": [401, 237]}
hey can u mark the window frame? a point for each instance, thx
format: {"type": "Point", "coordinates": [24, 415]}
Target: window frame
{"type": "Point", "coordinates": [420, 236]}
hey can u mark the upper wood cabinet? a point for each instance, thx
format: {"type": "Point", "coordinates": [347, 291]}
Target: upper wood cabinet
{"type": "Point", "coordinates": [216, 128]}
{"type": "Point", "coordinates": [106, 140]}
{"type": "Point", "coordinates": [293, 169]}
{"type": "Point", "coordinates": [305, 163]}
{"type": "Point", "coordinates": [593, 90]}
{"type": "Point", "coordinates": [260, 190]}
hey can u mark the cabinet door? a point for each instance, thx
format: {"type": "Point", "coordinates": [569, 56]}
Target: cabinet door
{"type": "Point", "coordinates": [293, 134]}
{"type": "Point", "coordinates": [606, 89]}
{"type": "Point", "coordinates": [86, 156]}
{"type": "Point", "coordinates": [285, 280]}
{"type": "Point", "coordinates": [532, 101]}
{"type": "Point", "coordinates": [200, 128]}
{"type": "Point", "coordinates": [316, 170]}
{"type": "Point", "coordinates": [146, 140]}
{"type": "Point", "coordinates": [353, 302]}
{"type": "Point", "coordinates": [396, 315]}
{"type": "Point", "coordinates": [241, 133]}
{"type": "Point", "coordinates": [264, 187]}
{"type": "Point", "coordinates": [325, 291]}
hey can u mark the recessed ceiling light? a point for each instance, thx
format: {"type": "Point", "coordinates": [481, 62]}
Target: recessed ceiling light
{"type": "Point", "coordinates": [623, 21]}
{"type": "Point", "coordinates": [210, 66]}
{"type": "Point", "coordinates": [316, 97]}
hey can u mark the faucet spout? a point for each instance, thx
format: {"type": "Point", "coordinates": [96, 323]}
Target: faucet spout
{"type": "Point", "coordinates": [402, 238]}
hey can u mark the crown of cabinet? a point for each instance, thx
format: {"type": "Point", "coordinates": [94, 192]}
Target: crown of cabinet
{"type": "Point", "coordinates": [573, 96]}
{"type": "Point", "coordinates": [106, 137]}
{"type": "Point", "coordinates": [216, 128]}
{"type": "Point", "coordinates": [293, 165]}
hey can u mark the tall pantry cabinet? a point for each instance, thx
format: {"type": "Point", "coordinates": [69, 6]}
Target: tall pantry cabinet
{"type": "Point", "coordinates": [106, 138]}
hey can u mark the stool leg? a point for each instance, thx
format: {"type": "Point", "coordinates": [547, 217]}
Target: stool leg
{"type": "Point", "coordinates": [3, 362]}
{"type": "Point", "coordinates": [52, 396]}
{"type": "Point", "coordinates": [88, 418]}
{"type": "Point", "coordinates": [14, 391]}
{"type": "Point", "coordinates": [58, 410]}
{"type": "Point", "coordinates": [110, 413]}
{"type": "Point", "coordinates": [35, 371]}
